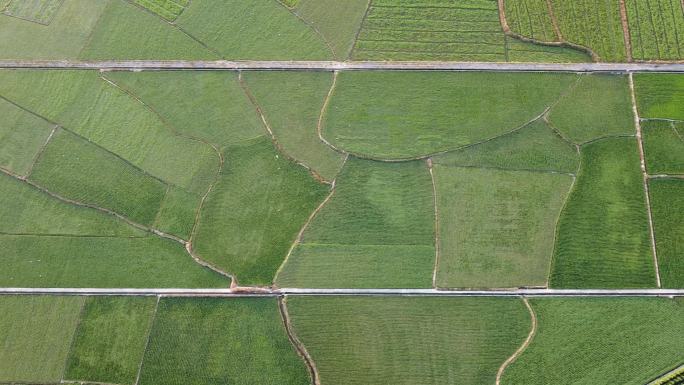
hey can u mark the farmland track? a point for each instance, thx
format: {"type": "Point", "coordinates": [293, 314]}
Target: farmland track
{"type": "Point", "coordinates": [525, 344]}
{"type": "Point", "coordinates": [342, 66]}
{"type": "Point", "coordinates": [263, 292]}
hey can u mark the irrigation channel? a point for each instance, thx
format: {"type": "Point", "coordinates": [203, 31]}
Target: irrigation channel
{"type": "Point", "coordinates": [342, 66]}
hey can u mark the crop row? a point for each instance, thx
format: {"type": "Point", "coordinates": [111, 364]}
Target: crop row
{"type": "Point", "coordinates": [473, 4]}
{"type": "Point", "coordinates": [594, 24]}
{"type": "Point", "coordinates": [449, 14]}
{"type": "Point", "coordinates": [39, 11]}
{"type": "Point", "coordinates": [482, 37]}
{"type": "Point", "coordinates": [168, 9]}
{"type": "Point", "coordinates": [430, 25]}
{"type": "Point", "coordinates": [530, 18]}
{"type": "Point", "coordinates": [656, 28]}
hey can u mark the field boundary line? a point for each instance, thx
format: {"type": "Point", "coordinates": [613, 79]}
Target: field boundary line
{"type": "Point", "coordinates": [525, 344]}
{"type": "Point", "coordinates": [174, 131]}
{"type": "Point", "coordinates": [358, 31]}
{"type": "Point", "coordinates": [147, 341]}
{"type": "Point", "coordinates": [296, 342]}
{"type": "Point", "coordinates": [437, 227]}
{"type": "Point", "coordinates": [298, 239]}
{"type": "Point", "coordinates": [310, 25]}
{"type": "Point", "coordinates": [279, 147]}
{"type": "Point", "coordinates": [40, 151]}
{"type": "Point", "coordinates": [624, 20]}
{"type": "Point", "coordinates": [161, 205]}
{"type": "Point", "coordinates": [321, 115]}
{"type": "Point", "coordinates": [664, 377]}
{"type": "Point", "coordinates": [89, 38]}
{"type": "Point", "coordinates": [73, 338]}
{"type": "Point", "coordinates": [94, 207]}
{"type": "Point", "coordinates": [352, 65]}
{"type": "Point", "coordinates": [495, 168]}
{"type": "Point", "coordinates": [644, 174]}
{"type": "Point", "coordinates": [3, 233]}
{"type": "Point", "coordinates": [554, 20]}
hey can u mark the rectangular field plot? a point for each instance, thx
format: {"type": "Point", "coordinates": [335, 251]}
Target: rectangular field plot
{"type": "Point", "coordinates": [35, 335]}
{"type": "Point", "coordinates": [377, 230]}
{"type": "Point", "coordinates": [660, 96]}
{"type": "Point", "coordinates": [432, 30]}
{"type": "Point", "coordinates": [531, 18]}
{"type": "Point", "coordinates": [402, 340]}
{"type": "Point", "coordinates": [667, 203]}
{"type": "Point", "coordinates": [592, 341]}
{"type": "Point", "coordinates": [497, 227]}
{"type": "Point", "coordinates": [38, 11]}
{"type": "Point", "coordinates": [110, 339]}
{"type": "Point", "coordinates": [168, 9]}
{"type": "Point", "coordinates": [216, 341]}
{"type": "Point", "coordinates": [603, 235]}
{"type": "Point", "coordinates": [656, 28]}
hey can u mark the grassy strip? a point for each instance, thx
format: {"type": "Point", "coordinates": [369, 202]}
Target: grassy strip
{"type": "Point", "coordinates": [586, 341]}
{"type": "Point", "coordinates": [403, 340]}
{"type": "Point", "coordinates": [603, 235]}
{"type": "Point", "coordinates": [211, 341]}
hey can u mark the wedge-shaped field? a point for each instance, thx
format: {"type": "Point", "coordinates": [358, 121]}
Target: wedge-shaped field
{"type": "Point", "coordinates": [663, 146]}
{"type": "Point", "coordinates": [497, 226]}
{"type": "Point", "coordinates": [255, 210]}
{"type": "Point", "coordinates": [90, 106]}
{"type": "Point", "coordinates": [65, 36]}
{"type": "Point", "coordinates": [22, 136]}
{"type": "Point", "coordinates": [110, 340]}
{"type": "Point", "coordinates": [377, 230]}
{"type": "Point", "coordinates": [600, 341]}
{"type": "Point", "coordinates": [36, 333]}
{"type": "Point", "coordinates": [73, 167]}
{"type": "Point", "coordinates": [216, 341]}
{"type": "Point", "coordinates": [409, 114]}
{"type": "Point", "coordinates": [534, 147]}
{"type": "Point", "coordinates": [292, 103]}
{"type": "Point", "coordinates": [401, 340]}
{"type": "Point", "coordinates": [127, 31]}
{"type": "Point", "coordinates": [656, 28]}
{"type": "Point", "coordinates": [252, 29]}
{"type": "Point", "coordinates": [660, 95]}
{"type": "Point", "coordinates": [597, 106]}
{"type": "Point", "coordinates": [603, 236]}
{"type": "Point", "coordinates": [207, 105]}
{"type": "Point", "coordinates": [338, 22]}
{"type": "Point", "coordinates": [667, 203]}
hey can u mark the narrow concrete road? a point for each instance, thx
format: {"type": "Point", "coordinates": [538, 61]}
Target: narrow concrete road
{"type": "Point", "coordinates": [342, 66]}
{"type": "Point", "coordinates": [256, 292]}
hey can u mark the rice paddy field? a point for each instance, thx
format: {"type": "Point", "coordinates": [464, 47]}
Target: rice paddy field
{"type": "Point", "coordinates": [324, 227]}
{"type": "Point", "coordinates": [464, 30]}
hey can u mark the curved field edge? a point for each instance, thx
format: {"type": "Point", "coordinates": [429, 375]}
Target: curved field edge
{"type": "Point", "coordinates": [600, 340]}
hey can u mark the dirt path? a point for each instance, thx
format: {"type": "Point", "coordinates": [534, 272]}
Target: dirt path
{"type": "Point", "coordinates": [639, 136]}
{"type": "Point", "coordinates": [294, 340]}
{"type": "Point", "coordinates": [625, 30]}
{"type": "Point", "coordinates": [554, 20]}
{"type": "Point", "coordinates": [522, 347]}
{"type": "Point", "coordinates": [437, 228]}
{"type": "Point", "coordinates": [502, 17]}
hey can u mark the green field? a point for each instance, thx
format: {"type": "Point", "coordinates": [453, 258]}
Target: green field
{"type": "Point", "coordinates": [255, 211]}
{"type": "Point", "coordinates": [38, 11]}
{"type": "Point", "coordinates": [603, 236]}
{"type": "Point", "coordinates": [663, 146]}
{"type": "Point", "coordinates": [74, 167]}
{"type": "Point", "coordinates": [252, 29]}
{"type": "Point", "coordinates": [598, 106]}
{"type": "Point", "coordinates": [217, 341]}
{"type": "Point", "coordinates": [600, 341]}
{"type": "Point", "coordinates": [497, 226]}
{"type": "Point", "coordinates": [36, 333]}
{"type": "Point", "coordinates": [525, 52]}
{"type": "Point", "coordinates": [22, 135]}
{"type": "Point", "coordinates": [660, 95]}
{"type": "Point", "coordinates": [394, 340]}
{"type": "Point", "coordinates": [337, 21]}
{"type": "Point", "coordinates": [657, 29]}
{"type": "Point", "coordinates": [168, 9]}
{"type": "Point", "coordinates": [292, 103]}
{"type": "Point", "coordinates": [667, 202]}
{"type": "Point", "coordinates": [531, 19]}
{"type": "Point", "coordinates": [408, 114]}
{"type": "Point", "coordinates": [110, 339]}
{"type": "Point", "coordinates": [377, 230]}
